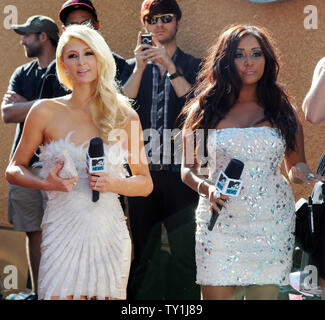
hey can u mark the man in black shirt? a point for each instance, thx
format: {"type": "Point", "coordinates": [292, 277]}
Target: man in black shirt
{"type": "Point", "coordinates": [162, 77]}
{"type": "Point", "coordinates": [84, 12]}
{"type": "Point", "coordinates": [39, 36]}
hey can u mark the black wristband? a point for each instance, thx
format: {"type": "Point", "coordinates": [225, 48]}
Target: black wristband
{"type": "Point", "coordinates": [176, 74]}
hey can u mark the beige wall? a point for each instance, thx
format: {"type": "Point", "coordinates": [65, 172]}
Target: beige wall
{"type": "Point", "coordinates": [13, 253]}
{"type": "Point", "coordinates": [202, 21]}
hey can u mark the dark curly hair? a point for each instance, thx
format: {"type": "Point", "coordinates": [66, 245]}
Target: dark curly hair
{"type": "Point", "coordinates": [211, 97]}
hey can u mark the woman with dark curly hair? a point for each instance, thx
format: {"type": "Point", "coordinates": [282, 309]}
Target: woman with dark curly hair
{"type": "Point", "coordinates": [244, 114]}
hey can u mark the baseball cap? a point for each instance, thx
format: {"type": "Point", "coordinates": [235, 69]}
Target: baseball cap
{"type": "Point", "coordinates": [71, 5]}
{"type": "Point", "coordinates": [38, 23]}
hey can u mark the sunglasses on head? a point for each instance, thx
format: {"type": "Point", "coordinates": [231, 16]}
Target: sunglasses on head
{"type": "Point", "coordinates": [165, 18]}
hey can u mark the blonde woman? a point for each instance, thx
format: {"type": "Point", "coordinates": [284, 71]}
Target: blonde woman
{"type": "Point", "coordinates": [86, 246]}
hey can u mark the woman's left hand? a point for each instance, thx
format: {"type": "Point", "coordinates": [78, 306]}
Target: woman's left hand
{"type": "Point", "coordinates": [100, 181]}
{"type": "Point", "coordinates": [300, 173]}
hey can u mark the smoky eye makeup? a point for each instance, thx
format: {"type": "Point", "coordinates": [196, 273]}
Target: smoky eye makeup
{"type": "Point", "coordinates": [257, 53]}
{"type": "Point", "coordinates": [239, 54]}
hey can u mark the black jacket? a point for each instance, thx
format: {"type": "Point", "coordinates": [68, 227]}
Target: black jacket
{"type": "Point", "coordinates": [190, 67]}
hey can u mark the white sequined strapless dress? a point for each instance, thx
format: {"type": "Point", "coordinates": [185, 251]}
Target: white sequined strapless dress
{"type": "Point", "coordinates": [252, 241]}
{"type": "Point", "coordinates": [86, 248]}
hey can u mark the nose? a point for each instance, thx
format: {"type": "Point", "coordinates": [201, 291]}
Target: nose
{"type": "Point", "coordinates": [81, 59]}
{"type": "Point", "coordinates": [248, 60]}
{"type": "Point", "coordinates": [159, 22]}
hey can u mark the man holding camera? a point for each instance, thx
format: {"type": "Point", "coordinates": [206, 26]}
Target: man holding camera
{"type": "Point", "coordinates": [162, 77]}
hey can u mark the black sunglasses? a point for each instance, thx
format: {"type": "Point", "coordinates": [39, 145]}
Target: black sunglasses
{"type": "Point", "coordinates": [165, 18]}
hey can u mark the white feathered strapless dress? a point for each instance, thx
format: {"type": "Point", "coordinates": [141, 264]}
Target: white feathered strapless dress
{"type": "Point", "coordinates": [86, 247]}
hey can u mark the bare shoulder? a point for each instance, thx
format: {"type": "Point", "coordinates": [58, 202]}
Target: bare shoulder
{"type": "Point", "coordinates": [131, 115]}
{"type": "Point", "coordinates": [40, 108]}
{"type": "Point", "coordinates": [46, 107]}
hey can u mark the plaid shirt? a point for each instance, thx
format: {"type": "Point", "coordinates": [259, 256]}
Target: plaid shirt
{"type": "Point", "coordinates": [156, 78]}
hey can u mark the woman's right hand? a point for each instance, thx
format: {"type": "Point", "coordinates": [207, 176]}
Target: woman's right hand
{"type": "Point", "coordinates": [216, 200]}
{"type": "Point", "coordinates": [55, 183]}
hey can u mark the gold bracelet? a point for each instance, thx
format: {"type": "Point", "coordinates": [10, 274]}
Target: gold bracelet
{"type": "Point", "coordinates": [198, 189]}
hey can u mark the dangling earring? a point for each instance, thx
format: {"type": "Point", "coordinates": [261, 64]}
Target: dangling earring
{"type": "Point", "coordinates": [66, 72]}
{"type": "Point", "coordinates": [228, 89]}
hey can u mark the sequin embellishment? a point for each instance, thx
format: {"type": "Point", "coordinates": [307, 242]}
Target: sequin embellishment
{"type": "Point", "coordinates": [252, 242]}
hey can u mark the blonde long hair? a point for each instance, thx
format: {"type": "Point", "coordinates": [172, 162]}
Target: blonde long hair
{"type": "Point", "coordinates": [109, 106]}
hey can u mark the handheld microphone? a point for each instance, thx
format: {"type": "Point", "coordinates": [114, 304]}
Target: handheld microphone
{"type": "Point", "coordinates": [96, 160]}
{"type": "Point", "coordinates": [228, 183]}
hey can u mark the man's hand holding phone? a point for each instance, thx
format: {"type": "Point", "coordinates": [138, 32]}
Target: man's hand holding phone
{"type": "Point", "coordinates": [144, 43]}
{"type": "Point", "coordinates": [159, 55]}
{"type": "Point", "coordinates": [150, 49]}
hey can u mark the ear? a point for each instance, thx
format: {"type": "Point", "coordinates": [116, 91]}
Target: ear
{"type": "Point", "coordinates": [43, 37]}
{"type": "Point", "coordinates": [178, 24]}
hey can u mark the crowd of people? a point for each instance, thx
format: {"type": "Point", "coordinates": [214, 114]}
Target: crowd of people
{"type": "Point", "coordinates": [195, 116]}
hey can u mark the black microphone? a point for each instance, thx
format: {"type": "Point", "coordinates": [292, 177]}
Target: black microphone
{"type": "Point", "coordinates": [96, 160]}
{"type": "Point", "coordinates": [228, 183]}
